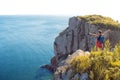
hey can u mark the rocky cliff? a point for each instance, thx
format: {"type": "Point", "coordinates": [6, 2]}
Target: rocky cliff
{"type": "Point", "coordinates": [76, 36]}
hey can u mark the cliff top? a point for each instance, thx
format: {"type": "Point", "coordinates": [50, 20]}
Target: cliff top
{"type": "Point", "coordinates": [99, 20]}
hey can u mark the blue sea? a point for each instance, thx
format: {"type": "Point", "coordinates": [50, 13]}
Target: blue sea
{"type": "Point", "coordinates": [26, 43]}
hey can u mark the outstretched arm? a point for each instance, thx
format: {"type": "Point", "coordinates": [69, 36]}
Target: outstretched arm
{"type": "Point", "coordinates": [106, 32]}
{"type": "Point", "coordinates": [92, 34]}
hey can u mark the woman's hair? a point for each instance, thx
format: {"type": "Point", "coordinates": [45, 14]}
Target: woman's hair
{"type": "Point", "coordinates": [100, 31]}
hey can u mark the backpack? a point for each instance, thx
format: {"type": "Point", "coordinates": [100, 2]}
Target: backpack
{"type": "Point", "coordinates": [101, 39]}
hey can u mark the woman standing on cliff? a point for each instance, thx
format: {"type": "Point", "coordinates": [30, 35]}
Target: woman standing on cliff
{"type": "Point", "coordinates": [100, 38]}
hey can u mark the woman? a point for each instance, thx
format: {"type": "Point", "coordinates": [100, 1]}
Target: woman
{"type": "Point", "coordinates": [100, 38]}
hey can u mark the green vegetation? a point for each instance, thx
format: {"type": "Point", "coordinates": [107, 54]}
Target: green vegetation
{"type": "Point", "coordinates": [100, 64]}
{"type": "Point", "coordinates": [100, 21]}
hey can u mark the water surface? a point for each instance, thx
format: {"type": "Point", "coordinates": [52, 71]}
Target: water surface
{"type": "Point", "coordinates": [26, 43]}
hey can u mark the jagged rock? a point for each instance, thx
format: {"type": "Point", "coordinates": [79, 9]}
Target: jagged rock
{"type": "Point", "coordinates": [49, 67]}
{"type": "Point", "coordinates": [76, 36]}
{"type": "Point", "coordinates": [76, 77]}
{"type": "Point", "coordinates": [63, 70]}
{"type": "Point", "coordinates": [68, 75]}
{"type": "Point", "coordinates": [84, 76]}
{"type": "Point", "coordinates": [54, 63]}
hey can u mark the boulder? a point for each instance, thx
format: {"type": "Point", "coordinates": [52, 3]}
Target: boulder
{"type": "Point", "coordinates": [64, 72]}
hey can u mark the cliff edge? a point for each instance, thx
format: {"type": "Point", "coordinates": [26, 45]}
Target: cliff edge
{"type": "Point", "coordinates": [76, 36]}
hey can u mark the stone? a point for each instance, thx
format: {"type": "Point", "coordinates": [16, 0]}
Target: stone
{"type": "Point", "coordinates": [76, 77]}
{"type": "Point", "coordinates": [63, 70]}
{"type": "Point", "coordinates": [84, 76]}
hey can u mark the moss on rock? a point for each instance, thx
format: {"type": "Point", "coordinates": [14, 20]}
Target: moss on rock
{"type": "Point", "coordinates": [99, 20]}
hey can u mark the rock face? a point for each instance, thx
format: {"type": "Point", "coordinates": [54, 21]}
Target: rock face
{"type": "Point", "coordinates": [64, 72]}
{"type": "Point", "coordinates": [76, 36]}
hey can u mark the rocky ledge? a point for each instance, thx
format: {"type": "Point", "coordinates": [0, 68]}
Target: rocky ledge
{"type": "Point", "coordinates": [64, 71]}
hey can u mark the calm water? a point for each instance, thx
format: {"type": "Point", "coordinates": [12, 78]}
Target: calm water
{"type": "Point", "coordinates": [26, 43]}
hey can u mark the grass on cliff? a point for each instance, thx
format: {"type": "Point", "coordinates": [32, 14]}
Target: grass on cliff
{"type": "Point", "coordinates": [100, 64]}
{"type": "Point", "coordinates": [100, 20]}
